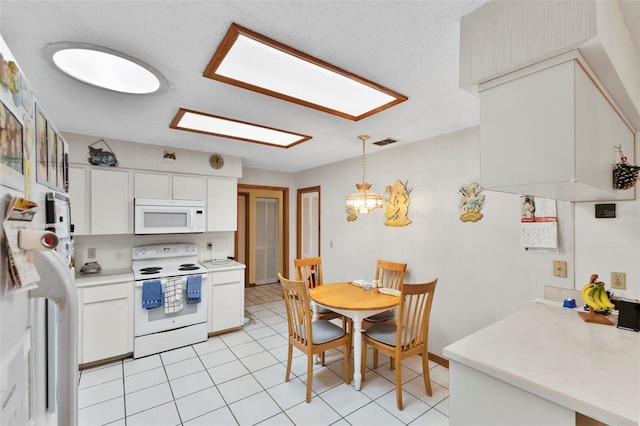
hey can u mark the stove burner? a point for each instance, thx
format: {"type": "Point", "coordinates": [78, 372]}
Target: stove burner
{"type": "Point", "coordinates": [151, 269]}
{"type": "Point", "coordinates": [187, 264]}
{"type": "Point", "coordinates": [149, 272]}
{"type": "Point", "coordinates": [188, 268]}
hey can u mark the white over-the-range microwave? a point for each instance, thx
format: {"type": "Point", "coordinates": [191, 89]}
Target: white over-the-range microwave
{"type": "Point", "coordinates": [156, 216]}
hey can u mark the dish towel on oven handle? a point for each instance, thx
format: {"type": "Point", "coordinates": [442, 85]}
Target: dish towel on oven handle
{"type": "Point", "coordinates": [193, 289]}
{"type": "Point", "coordinates": [152, 294]}
{"type": "Point", "coordinates": [173, 295]}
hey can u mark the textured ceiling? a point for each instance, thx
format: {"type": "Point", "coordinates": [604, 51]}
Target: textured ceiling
{"type": "Point", "coordinates": [410, 47]}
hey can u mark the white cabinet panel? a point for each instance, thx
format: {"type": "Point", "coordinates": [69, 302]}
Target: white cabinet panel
{"type": "Point", "coordinates": [150, 185]}
{"type": "Point", "coordinates": [78, 199]}
{"type": "Point", "coordinates": [110, 202]}
{"type": "Point", "coordinates": [222, 204]}
{"type": "Point", "coordinates": [168, 187]}
{"type": "Point", "coordinates": [106, 321]}
{"type": "Point", "coordinates": [226, 300]}
{"type": "Point", "coordinates": [188, 188]}
{"type": "Point", "coordinates": [551, 133]}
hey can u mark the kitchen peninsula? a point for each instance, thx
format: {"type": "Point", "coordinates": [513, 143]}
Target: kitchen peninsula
{"type": "Point", "coordinates": [543, 365]}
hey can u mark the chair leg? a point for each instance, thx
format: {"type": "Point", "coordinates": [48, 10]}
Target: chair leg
{"type": "Point", "coordinates": [322, 358]}
{"type": "Point", "coordinates": [425, 370]}
{"type": "Point", "coordinates": [375, 358]}
{"type": "Point", "coordinates": [309, 375]}
{"type": "Point", "coordinates": [398, 382]}
{"type": "Point", "coordinates": [363, 360]}
{"type": "Point", "coordinates": [347, 365]}
{"type": "Point", "coordinates": [289, 356]}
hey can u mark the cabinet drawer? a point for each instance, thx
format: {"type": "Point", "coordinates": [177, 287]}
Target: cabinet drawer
{"type": "Point", "coordinates": [104, 293]}
{"type": "Point", "coordinates": [224, 277]}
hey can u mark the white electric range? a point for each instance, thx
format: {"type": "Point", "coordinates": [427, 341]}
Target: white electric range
{"type": "Point", "coordinates": [166, 316]}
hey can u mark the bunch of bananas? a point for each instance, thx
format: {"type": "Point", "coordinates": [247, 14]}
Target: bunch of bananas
{"type": "Point", "coordinates": [595, 296]}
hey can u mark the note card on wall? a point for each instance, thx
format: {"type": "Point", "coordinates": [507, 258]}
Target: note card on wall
{"type": "Point", "coordinates": [538, 224]}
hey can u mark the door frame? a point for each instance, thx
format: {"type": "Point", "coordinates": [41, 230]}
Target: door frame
{"type": "Point", "coordinates": [246, 236]}
{"type": "Point", "coordinates": [284, 191]}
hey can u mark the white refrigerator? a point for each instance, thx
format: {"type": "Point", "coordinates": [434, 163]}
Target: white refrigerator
{"type": "Point", "coordinates": [33, 168]}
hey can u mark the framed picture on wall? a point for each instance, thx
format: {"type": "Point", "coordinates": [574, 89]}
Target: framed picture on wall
{"type": "Point", "coordinates": [60, 161]}
{"type": "Point", "coordinates": [52, 147]}
{"type": "Point", "coordinates": [42, 154]}
{"type": "Point", "coordinates": [11, 149]}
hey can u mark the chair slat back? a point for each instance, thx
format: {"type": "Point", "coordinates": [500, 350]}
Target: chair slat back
{"type": "Point", "coordinates": [309, 270]}
{"type": "Point", "coordinates": [390, 274]}
{"type": "Point", "coordinates": [297, 301]}
{"type": "Point", "coordinates": [413, 315]}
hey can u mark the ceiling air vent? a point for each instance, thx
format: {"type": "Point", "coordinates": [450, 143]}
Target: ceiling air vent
{"type": "Point", "coordinates": [386, 141]}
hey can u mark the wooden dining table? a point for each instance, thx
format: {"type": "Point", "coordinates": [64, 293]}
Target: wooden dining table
{"type": "Point", "coordinates": [356, 303]}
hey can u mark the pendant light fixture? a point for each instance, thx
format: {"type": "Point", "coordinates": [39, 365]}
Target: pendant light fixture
{"type": "Point", "coordinates": [363, 201]}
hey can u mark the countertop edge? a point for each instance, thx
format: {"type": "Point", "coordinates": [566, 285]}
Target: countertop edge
{"type": "Point", "coordinates": [104, 277]}
{"type": "Point", "coordinates": [538, 389]}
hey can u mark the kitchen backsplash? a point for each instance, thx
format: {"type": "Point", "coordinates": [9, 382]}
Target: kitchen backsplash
{"type": "Point", "coordinates": [114, 251]}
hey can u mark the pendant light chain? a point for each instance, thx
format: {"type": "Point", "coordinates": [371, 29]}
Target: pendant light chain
{"type": "Point", "coordinates": [364, 157]}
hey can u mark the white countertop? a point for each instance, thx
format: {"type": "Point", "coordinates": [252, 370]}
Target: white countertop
{"type": "Point", "coordinates": [106, 276]}
{"type": "Point", "coordinates": [217, 265]}
{"type": "Point", "coordinates": [551, 352]}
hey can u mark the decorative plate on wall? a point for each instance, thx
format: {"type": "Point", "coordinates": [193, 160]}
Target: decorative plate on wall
{"type": "Point", "coordinates": [216, 161]}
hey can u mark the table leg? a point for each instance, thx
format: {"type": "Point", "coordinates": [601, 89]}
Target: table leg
{"type": "Point", "coordinates": [357, 351]}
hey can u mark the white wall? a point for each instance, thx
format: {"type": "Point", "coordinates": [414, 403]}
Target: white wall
{"type": "Point", "coordinates": [483, 274]}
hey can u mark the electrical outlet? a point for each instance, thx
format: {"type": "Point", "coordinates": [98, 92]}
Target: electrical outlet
{"type": "Point", "coordinates": [91, 253]}
{"type": "Point", "coordinates": [619, 280]}
{"type": "Point", "coordinates": [209, 246]}
{"type": "Point", "coordinates": [560, 268]}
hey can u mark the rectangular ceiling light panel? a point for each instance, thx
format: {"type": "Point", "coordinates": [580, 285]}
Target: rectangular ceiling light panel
{"type": "Point", "coordinates": [252, 61]}
{"type": "Point", "coordinates": [198, 122]}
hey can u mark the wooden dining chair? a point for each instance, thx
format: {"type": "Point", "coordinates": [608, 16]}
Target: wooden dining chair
{"type": "Point", "coordinates": [309, 270]}
{"type": "Point", "coordinates": [391, 275]}
{"type": "Point", "coordinates": [409, 336]}
{"type": "Point", "coordinates": [310, 337]}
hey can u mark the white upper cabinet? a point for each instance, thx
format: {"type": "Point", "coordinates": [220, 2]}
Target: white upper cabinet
{"type": "Point", "coordinates": [151, 185]}
{"type": "Point", "coordinates": [188, 188]}
{"type": "Point", "coordinates": [222, 205]}
{"type": "Point", "coordinates": [550, 131]}
{"type": "Point", "coordinates": [111, 207]}
{"type": "Point", "coordinates": [168, 187]}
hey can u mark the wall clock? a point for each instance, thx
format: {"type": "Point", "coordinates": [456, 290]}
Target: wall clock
{"type": "Point", "coordinates": [216, 161]}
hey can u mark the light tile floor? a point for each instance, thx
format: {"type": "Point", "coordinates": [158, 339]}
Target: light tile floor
{"type": "Point", "coordinates": [237, 378]}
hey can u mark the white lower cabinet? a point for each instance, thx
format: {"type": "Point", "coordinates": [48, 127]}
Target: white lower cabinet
{"type": "Point", "coordinates": [226, 300]}
{"type": "Point", "coordinates": [105, 321]}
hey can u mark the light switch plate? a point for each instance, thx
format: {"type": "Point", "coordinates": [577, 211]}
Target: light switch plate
{"type": "Point", "coordinates": [560, 268]}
